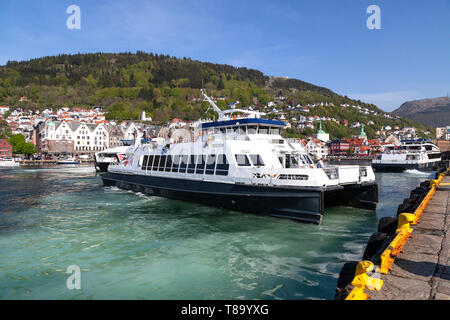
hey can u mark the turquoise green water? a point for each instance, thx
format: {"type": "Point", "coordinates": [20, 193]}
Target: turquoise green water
{"type": "Point", "coordinates": [132, 246]}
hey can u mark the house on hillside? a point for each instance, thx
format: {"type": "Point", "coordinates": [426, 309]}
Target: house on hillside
{"type": "Point", "coordinates": [317, 149]}
{"type": "Point", "coordinates": [393, 140]}
{"type": "Point", "coordinates": [3, 109]}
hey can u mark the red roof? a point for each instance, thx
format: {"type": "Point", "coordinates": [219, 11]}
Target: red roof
{"type": "Point", "coordinates": [355, 142]}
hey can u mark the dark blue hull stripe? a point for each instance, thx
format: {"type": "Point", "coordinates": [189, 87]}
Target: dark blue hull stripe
{"type": "Point", "coordinates": [304, 205]}
{"type": "Point", "coordinates": [398, 167]}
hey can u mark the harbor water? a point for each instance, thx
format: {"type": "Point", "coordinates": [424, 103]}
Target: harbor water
{"type": "Point", "coordinates": [133, 246]}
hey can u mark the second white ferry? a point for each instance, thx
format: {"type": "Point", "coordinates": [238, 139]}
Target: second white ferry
{"type": "Point", "coordinates": [418, 154]}
{"type": "Point", "coordinates": [106, 157]}
{"type": "Point", "coordinates": [243, 164]}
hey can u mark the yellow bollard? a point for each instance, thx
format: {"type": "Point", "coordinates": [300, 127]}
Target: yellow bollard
{"type": "Point", "coordinates": [363, 278]}
{"type": "Point", "coordinates": [433, 183]}
{"type": "Point", "coordinates": [404, 221]}
{"type": "Point", "coordinates": [357, 294]}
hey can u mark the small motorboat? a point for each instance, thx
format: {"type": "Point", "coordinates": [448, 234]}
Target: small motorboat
{"type": "Point", "coordinates": [69, 160]}
{"type": "Point", "coordinates": [8, 163]}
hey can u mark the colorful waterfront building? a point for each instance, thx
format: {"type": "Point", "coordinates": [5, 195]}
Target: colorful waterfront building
{"type": "Point", "coordinates": [6, 150]}
{"type": "Point", "coordinates": [338, 147]}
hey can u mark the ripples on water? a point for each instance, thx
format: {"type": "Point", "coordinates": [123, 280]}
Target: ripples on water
{"type": "Point", "coordinates": [132, 246]}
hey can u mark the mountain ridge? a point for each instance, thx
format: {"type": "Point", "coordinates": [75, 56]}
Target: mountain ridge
{"type": "Point", "coordinates": [433, 112]}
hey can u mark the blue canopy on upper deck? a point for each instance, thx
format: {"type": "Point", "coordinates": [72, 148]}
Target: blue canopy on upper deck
{"type": "Point", "coordinates": [236, 122]}
{"type": "Point", "coordinates": [415, 140]}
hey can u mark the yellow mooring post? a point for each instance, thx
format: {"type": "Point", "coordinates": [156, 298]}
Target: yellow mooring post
{"type": "Point", "coordinates": [364, 280]}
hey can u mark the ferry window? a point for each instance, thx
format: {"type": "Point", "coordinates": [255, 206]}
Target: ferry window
{"type": "Point", "coordinates": [251, 129]}
{"type": "Point", "coordinates": [434, 155]}
{"type": "Point", "coordinates": [144, 163]}
{"type": "Point", "coordinates": [242, 160]}
{"type": "Point", "coordinates": [263, 130]}
{"type": "Point", "coordinates": [162, 164]}
{"type": "Point", "coordinates": [222, 130]}
{"type": "Point", "coordinates": [230, 130]}
{"type": "Point", "coordinates": [256, 160]}
{"type": "Point", "coordinates": [168, 164]}
{"type": "Point", "coordinates": [210, 164]}
{"type": "Point", "coordinates": [176, 163]}
{"type": "Point", "coordinates": [191, 165]}
{"type": "Point", "coordinates": [275, 131]}
{"type": "Point", "coordinates": [150, 162]}
{"type": "Point", "coordinates": [222, 165]}
{"type": "Point", "coordinates": [183, 164]}
{"type": "Point", "coordinates": [307, 159]}
{"type": "Point", "coordinates": [294, 161]}
{"type": "Point", "coordinates": [200, 164]}
{"type": "Point", "coordinates": [156, 163]}
{"type": "Point", "coordinates": [281, 159]}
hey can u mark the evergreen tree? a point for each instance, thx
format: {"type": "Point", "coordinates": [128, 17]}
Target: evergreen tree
{"type": "Point", "coordinates": [220, 85]}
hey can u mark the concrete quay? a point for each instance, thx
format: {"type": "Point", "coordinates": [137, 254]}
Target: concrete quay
{"type": "Point", "coordinates": [422, 270]}
{"type": "Point", "coordinates": [45, 162]}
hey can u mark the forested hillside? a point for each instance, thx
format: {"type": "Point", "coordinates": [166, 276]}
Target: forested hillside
{"type": "Point", "coordinates": [165, 87]}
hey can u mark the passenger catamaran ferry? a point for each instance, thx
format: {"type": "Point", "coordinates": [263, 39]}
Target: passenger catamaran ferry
{"type": "Point", "coordinates": [418, 154]}
{"type": "Point", "coordinates": [242, 163]}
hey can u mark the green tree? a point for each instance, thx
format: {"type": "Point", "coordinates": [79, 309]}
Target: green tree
{"type": "Point", "coordinates": [221, 85]}
{"type": "Point", "coordinates": [20, 146]}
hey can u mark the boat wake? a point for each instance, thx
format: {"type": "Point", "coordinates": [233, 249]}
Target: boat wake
{"type": "Point", "coordinates": [417, 172]}
{"type": "Point", "coordinates": [63, 169]}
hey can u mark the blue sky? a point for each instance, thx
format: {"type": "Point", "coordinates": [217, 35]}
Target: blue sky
{"type": "Point", "coordinates": [324, 42]}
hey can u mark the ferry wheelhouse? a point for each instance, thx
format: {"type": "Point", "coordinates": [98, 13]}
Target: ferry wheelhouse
{"type": "Point", "coordinates": [418, 154]}
{"type": "Point", "coordinates": [243, 164]}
